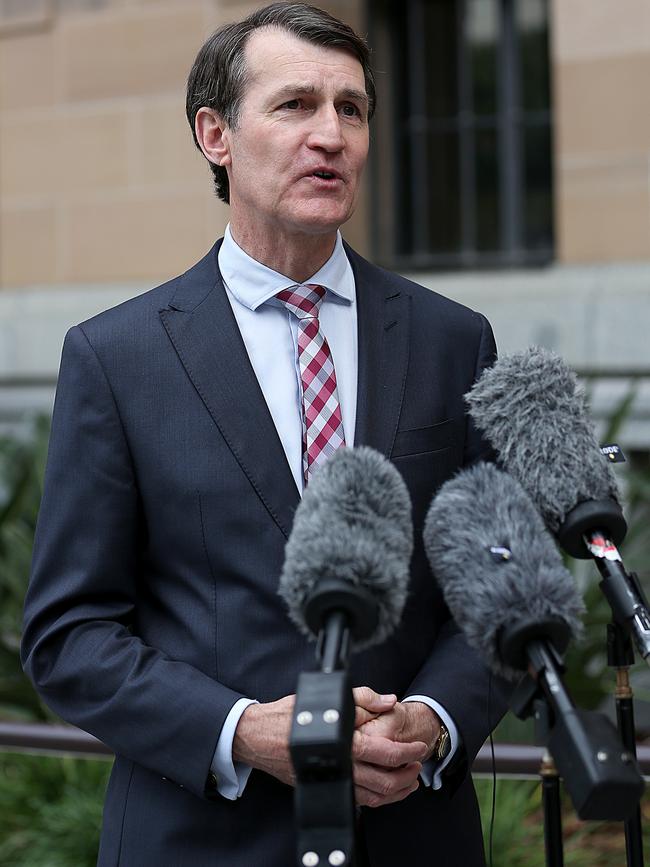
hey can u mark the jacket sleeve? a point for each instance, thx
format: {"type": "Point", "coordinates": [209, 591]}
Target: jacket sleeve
{"type": "Point", "coordinates": [476, 448]}
{"type": "Point", "coordinates": [78, 646]}
{"type": "Point", "coordinates": [454, 674]}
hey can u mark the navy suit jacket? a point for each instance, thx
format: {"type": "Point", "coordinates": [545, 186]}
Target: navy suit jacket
{"type": "Point", "coordinates": [153, 602]}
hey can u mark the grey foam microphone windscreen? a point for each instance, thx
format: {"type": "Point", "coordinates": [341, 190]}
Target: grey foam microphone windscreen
{"type": "Point", "coordinates": [353, 525]}
{"type": "Point", "coordinates": [533, 412]}
{"type": "Point", "coordinates": [473, 516]}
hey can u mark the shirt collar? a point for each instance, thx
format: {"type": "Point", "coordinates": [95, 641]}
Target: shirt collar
{"type": "Point", "coordinates": [252, 283]}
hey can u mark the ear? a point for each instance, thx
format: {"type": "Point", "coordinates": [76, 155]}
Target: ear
{"type": "Point", "coordinates": [212, 134]}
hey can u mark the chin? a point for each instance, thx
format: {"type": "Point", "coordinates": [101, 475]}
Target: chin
{"type": "Point", "coordinates": [322, 221]}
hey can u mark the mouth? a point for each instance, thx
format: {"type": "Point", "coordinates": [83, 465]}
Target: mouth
{"type": "Point", "coordinates": [325, 175]}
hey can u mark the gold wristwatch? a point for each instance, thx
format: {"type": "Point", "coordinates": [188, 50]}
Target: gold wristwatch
{"type": "Point", "coordinates": [442, 745]}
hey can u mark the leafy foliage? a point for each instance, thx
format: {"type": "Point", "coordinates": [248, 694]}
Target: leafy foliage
{"type": "Point", "coordinates": [50, 810]}
{"type": "Point", "coordinates": [518, 835]}
{"type": "Point", "coordinates": [22, 466]}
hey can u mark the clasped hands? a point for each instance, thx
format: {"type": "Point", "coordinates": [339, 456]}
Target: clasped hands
{"type": "Point", "coordinates": [391, 741]}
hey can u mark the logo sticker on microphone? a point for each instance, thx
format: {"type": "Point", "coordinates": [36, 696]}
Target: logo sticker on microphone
{"type": "Point", "coordinates": [613, 452]}
{"type": "Point", "coordinates": [500, 553]}
{"type": "Point", "coordinates": [602, 548]}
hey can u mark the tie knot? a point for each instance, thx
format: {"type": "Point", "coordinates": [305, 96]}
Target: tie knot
{"type": "Point", "coordinates": [303, 301]}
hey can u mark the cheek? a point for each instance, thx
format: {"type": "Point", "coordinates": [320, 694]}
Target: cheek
{"type": "Point", "coordinates": [362, 156]}
{"type": "Point", "coordinates": [264, 165]}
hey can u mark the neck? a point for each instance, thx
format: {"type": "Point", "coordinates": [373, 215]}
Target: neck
{"type": "Point", "coordinates": [298, 257]}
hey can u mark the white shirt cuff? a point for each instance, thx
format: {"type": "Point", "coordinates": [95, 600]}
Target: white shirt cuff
{"type": "Point", "coordinates": [231, 776]}
{"type": "Point", "coordinates": [431, 770]}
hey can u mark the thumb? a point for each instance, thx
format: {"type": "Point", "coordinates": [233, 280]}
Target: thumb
{"type": "Point", "coordinates": [372, 701]}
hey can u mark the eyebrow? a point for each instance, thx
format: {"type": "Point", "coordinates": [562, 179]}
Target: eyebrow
{"type": "Point", "coordinates": [310, 89]}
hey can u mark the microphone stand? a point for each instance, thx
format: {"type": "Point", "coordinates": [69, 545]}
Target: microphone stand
{"type": "Point", "coordinates": [602, 779]}
{"type": "Point", "coordinates": [629, 613]}
{"type": "Point", "coordinates": [552, 803]}
{"type": "Point", "coordinates": [620, 655]}
{"type": "Point", "coordinates": [528, 700]}
{"type": "Point", "coordinates": [630, 617]}
{"type": "Point", "coordinates": [550, 781]}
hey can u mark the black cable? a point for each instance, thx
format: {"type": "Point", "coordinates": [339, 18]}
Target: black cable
{"type": "Point", "coordinates": [494, 770]}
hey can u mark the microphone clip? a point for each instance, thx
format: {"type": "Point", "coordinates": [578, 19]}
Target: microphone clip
{"type": "Point", "coordinates": [320, 747]}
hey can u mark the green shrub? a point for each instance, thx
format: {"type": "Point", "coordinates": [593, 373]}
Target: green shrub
{"type": "Point", "coordinates": [50, 810]}
{"type": "Point", "coordinates": [518, 834]}
{"type": "Point", "coordinates": [22, 466]}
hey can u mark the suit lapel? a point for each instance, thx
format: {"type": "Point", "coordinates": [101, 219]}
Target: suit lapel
{"type": "Point", "coordinates": [202, 327]}
{"type": "Point", "coordinates": [384, 329]}
{"type": "Point", "coordinates": [203, 330]}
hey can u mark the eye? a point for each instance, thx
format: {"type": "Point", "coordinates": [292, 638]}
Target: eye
{"type": "Point", "coordinates": [291, 104]}
{"type": "Point", "coordinates": [349, 109]}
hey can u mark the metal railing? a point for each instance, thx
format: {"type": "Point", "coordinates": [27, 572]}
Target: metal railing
{"type": "Point", "coordinates": [511, 760]}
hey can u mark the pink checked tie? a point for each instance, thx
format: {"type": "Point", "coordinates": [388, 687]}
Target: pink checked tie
{"type": "Point", "coordinates": [322, 427]}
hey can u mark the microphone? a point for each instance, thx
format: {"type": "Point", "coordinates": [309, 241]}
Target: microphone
{"type": "Point", "coordinates": [344, 579]}
{"type": "Point", "coordinates": [533, 412]}
{"type": "Point", "coordinates": [346, 566]}
{"type": "Point", "coordinates": [500, 572]}
{"type": "Point", "coordinates": [504, 582]}
{"type": "Point", "coordinates": [531, 409]}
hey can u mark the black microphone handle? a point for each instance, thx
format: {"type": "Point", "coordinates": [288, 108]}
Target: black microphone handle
{"type": "Point", "coordinates": [333, 648]}
{"type": "Point", "coordinates": [600, 775]}
{"type": "Point", "coordinates": [621, 590]}
{"type": "Point", "coordinates": [541, 658]}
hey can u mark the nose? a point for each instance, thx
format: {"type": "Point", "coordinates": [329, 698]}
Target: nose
{"type": "Point", "coordinates": [326, 132]}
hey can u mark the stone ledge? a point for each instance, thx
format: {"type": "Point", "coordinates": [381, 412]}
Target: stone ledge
{"type": "Point", "coordinates": [595, 317]}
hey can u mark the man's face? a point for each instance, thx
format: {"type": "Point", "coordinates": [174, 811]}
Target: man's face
{"type": "Point", "coordinates": [296, 157]}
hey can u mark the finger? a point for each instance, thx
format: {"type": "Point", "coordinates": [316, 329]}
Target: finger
{"type": "Point", "coordinates": [384, 725]}
{"type": "Point", "coordinates": [373, 701]}
{"type": "Point", "coordinates": [363, 716]}
{"type": "Point", "coordinates": [365, 798]}
{"type": "Point", "coordinates": [382, 751]}
{"type": "Point", "coordinates": [385, 782]}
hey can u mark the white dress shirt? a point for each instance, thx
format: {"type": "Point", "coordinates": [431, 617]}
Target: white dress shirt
{"type": "Point", "coordinates": [270, 335]}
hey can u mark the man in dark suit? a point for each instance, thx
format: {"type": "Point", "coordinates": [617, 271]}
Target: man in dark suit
{"type": "Point", "coordinates": [187, 422]}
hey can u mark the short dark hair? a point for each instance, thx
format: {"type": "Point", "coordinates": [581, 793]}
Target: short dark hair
{"type": "Point", "coordinates": [217, 79]}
